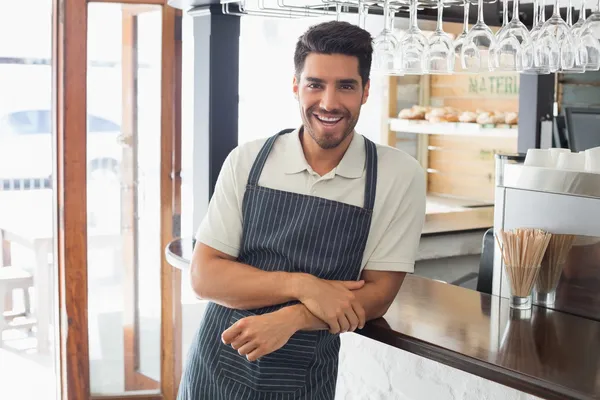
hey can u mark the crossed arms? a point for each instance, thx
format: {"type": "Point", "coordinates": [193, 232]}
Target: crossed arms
{"type": "Point", "coordinates": [338, 306]}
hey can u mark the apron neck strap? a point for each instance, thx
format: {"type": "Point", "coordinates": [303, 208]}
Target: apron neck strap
{"type": "Point", "coordinates": [261, 159]}
{"type": "Point", "coordinates": [371, 174]}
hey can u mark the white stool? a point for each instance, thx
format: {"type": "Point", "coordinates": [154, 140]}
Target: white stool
{"type": "Point", "coordinates": [12, 278]}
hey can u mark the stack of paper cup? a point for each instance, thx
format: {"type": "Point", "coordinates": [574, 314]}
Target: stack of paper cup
{"type": "Point", "coordinates": [538, 158]}
{"type": "Point", "coordinates": [554, 153]}
{"type": "Point", "coordinates": [592, 160]}
{"type": "Point", "coordinates": [571, 162]}
{"type": "Point", "coordinates": [564, 159]}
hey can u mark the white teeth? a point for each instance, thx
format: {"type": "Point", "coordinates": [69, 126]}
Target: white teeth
{"type": "Point", "coordinates": [326, 119]}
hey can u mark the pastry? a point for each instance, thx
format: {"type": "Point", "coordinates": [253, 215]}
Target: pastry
{"type": "Point", "coordinates": [451, 117]}
{"type": "Point", "coordinates": [406, 113]}
{"type": "Point", "coordinates": [435, 120]}
{"type": "Point", "coordinates": [467, 116]}
{"type": "Point", "coordinates": [498, 118]}
{"type": "Point", "coordinates": [511, 118]}
{"type": "Point", "coordinates": [485, 118]}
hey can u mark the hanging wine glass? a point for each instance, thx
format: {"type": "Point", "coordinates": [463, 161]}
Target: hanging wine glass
{"type": "Point", "coordinates": [591, 44]}
{"type": "Point", "coordinates": [593, 22]}
{"type": "Point", "coordinates": [363, 11]}
{"type": "Point", "coordinates": [385, 46]}
{"type": "Point", "coordinates": [535, 49]}
{"type": "Point", "coordinates": [414, 47]}
{"type": "Point", "coordinates": [580, 50]}
{"type": "Point", "coordinates": [441, 48]}
{"type": "Point", "coordinates": [501, 31]}
{"type": "Point", "coordinates": [475, 54]}
{"type": "Point", "coordinates": [510, 45]}
{"type": "Point", "coordinates": [557, 30]}
{"type": "Point", "coordinates": [459, 41]}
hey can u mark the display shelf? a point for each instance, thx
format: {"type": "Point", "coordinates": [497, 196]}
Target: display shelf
{"type": "Point", "coordinates": [452, 128]}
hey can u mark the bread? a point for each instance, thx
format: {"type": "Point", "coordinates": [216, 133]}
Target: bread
{"type": "Point", "coordinates": [485, 118]}
{"type": "Point", "coordinates": [511, 118]}
{"type": "Point", "coordinates": [435, 120]}
{"type": "Point", "coordinates": [451, 117]}
{"type": "Point", "coordinates": [468, 116]}
{"type": "Point", "coordinates": [413, 113]}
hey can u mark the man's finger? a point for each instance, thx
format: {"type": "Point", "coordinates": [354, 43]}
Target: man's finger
{"type": "Point", "coordinates": [352, 319]}
{"type": "Point", "coordinates": [247, 348]}
{"type": "Point", "coordinates": [344, 323]}
{"type": "Point", "coordinates": [255, 354]}
{"type": "Point", "coordinates": [334, 326]}
{"type": "Point", "coordinates": [353, 285]}
{"type": "Point", "coordinates": [239, 341]}
{"type": "Point", "coordinates": [231, 333]}
{"type": "Point", "coordinates": [360, 313]}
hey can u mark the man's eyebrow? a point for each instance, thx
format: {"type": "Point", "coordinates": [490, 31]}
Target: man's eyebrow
{"type": "Point", "coordinates": [347, 81]}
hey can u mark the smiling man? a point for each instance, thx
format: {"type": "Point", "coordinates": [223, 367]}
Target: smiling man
{"type": "Point", "coordinates": [309, 234]}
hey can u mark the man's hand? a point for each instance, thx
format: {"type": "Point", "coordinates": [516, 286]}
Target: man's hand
{"type": "Point", "coordinates": [259, 335]}
{"type": "Point", "coordinates": [333, 302]}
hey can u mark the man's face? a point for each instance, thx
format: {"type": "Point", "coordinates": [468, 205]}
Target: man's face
{"type": "Point", "coordinates": [330, 95]}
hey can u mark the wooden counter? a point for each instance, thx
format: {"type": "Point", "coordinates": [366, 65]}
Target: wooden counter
{"type": "Point", "coordinates": [549, 354]}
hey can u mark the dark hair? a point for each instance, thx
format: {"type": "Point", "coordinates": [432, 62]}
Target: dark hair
{"type": "Point", "coordinates": [336, 37]}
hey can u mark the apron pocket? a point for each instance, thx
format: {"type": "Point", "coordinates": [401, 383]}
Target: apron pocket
{"type": "Point", "coordinates": [285, 370]}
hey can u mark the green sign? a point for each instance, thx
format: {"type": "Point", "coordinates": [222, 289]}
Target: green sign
{"type": "Point", "coordinates": [494, 85]}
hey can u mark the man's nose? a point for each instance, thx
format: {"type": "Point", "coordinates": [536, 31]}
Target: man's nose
{"type": "Point", "coordinates": [329, 101]}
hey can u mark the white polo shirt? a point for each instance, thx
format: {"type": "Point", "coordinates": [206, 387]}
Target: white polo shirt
{"type": "Point", "coordinates": [398, 214]}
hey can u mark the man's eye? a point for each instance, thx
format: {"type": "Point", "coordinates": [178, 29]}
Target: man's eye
{"type": "Point", "coordinates": [314, 86]}
{"type": "Point", "coordinates": [347, 87]}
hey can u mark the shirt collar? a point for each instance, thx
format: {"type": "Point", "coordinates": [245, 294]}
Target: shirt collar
{"type": "Point", "coordinates": [352, 165]}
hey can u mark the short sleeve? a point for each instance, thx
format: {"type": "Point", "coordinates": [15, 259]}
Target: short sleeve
{"type": "Point", "coordinates": [221, 227]}
{"type": "Point", "coordinates": [398, 247]}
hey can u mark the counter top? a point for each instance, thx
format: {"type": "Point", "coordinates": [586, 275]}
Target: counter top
{"type": "Point", "coordinates": [549, 354]}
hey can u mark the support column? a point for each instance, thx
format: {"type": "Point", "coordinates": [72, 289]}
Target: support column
{"type": "Point", "coordinates": [216, 86]}
{"type": "Point", "coordinates": [536, 103]}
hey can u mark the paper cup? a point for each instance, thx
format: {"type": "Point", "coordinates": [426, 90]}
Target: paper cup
{"type": "Point", "coordinates": [538, 158]}
{"type": "Point", "coordinates": [592, 160]}
{"type": "Point", "coordinates": [571, 162]}
{"type": "Point", "coordinates": [554, 153]}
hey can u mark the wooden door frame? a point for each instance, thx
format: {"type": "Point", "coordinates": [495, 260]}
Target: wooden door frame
{"type": "Point", "coordinates": [69, 71]}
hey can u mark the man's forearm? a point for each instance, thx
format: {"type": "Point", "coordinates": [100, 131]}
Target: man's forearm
{"type": "Point", "coordinates": [370, 297]}
{"type": "Point", "coordinates": [240, 286]}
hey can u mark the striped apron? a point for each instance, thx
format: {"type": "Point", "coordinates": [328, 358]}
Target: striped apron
{"type": "Point", "coordinates": [283, 231]}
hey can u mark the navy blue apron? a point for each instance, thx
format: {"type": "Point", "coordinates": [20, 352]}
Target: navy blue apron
{"type": "Point", "coordinates": [283, 231]}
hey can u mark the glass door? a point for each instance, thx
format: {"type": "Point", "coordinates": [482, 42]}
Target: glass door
{"type": "Point", "coordinates": [127, 199]}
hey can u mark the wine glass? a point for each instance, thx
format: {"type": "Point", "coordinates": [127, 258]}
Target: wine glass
{"type": "Point", "coordinates": [580, 50]}
{"type": "Point", "coordinates": [385, 46]}
{"type": "Point", "coordinates": [556, 30]}
{"type": "Point", "coordinates": [363, 11]}
{"type": "Point", "coordinates": [593, 22]}
{"type": "Point", "coordinates": [459, 41]}
{"type": "Point", "coordinates": [591, 44]}
{"type": "Point", "coordinates": [510, 44]}
{"type": "Point", "coordinates": [500, 31]}
{"type": "Point", "coordinates": [475, 53]}
{"type": "Point", "coordinates": [414, 47]}
{"type": "Point", "coordinates": [441, 48]}
{"type": "Point", "coordinates": [535, 49]}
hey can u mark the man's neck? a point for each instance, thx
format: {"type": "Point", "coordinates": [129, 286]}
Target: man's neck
{"type": "Point", "coordinates": [322, 160]}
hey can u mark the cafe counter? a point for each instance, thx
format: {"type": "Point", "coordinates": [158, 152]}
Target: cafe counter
{"type": "Point", "coordinates": [446, 342]}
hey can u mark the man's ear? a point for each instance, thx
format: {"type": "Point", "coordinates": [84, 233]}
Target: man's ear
{"type": "Point", "coordinates": [366, 92]}
{"type": "Point", "coordinates": [295, 86]}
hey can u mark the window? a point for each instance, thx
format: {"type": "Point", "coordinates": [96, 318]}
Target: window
{"type": "Point", "coordinates": [39, 121]}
